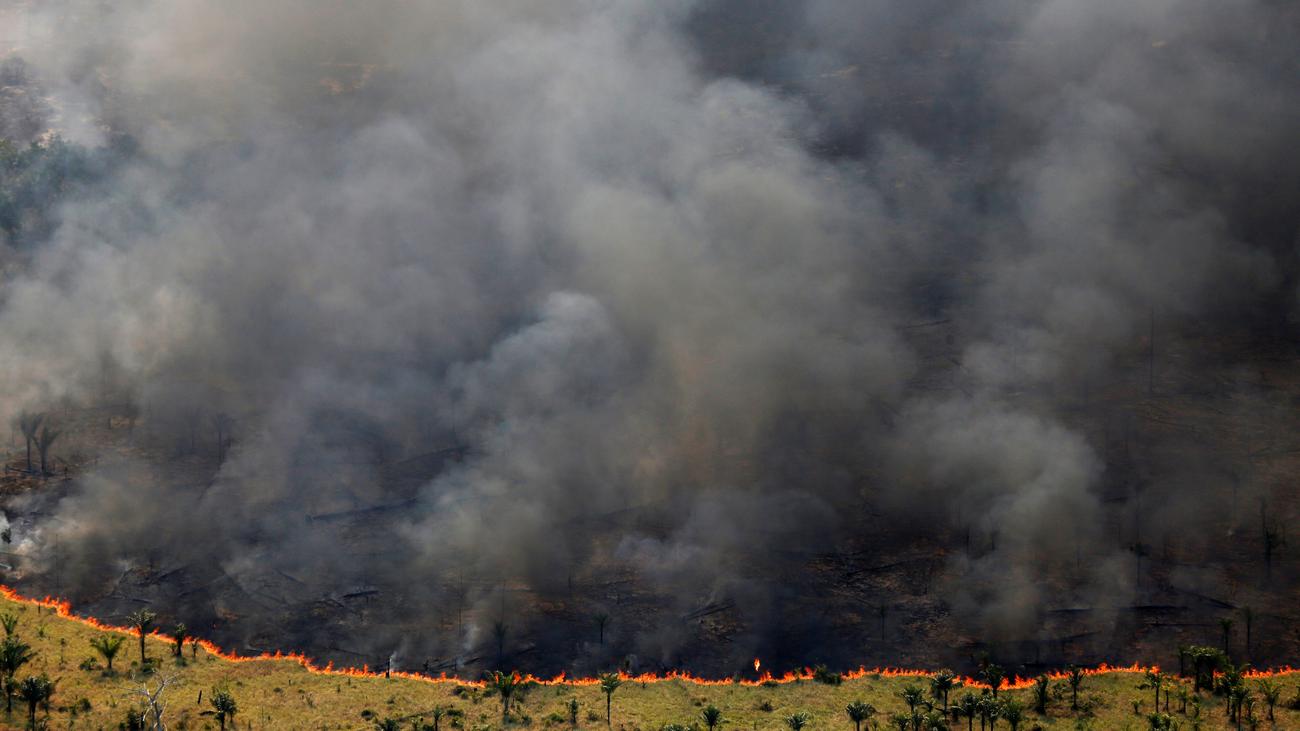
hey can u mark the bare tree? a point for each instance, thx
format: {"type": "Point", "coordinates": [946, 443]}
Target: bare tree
{"type": "Point", "coordinates": [153, 700]}
{"type": "Point", "coordinates": [29, 423]}
{"type": "Point", "coordinates": [44, 441]}
{"type": "Point", "coordinates": [1273, 538]}
{"type": "Point", "coordinates": [499, 630]}
{"type": "Point", "coordinates": [221, 424]}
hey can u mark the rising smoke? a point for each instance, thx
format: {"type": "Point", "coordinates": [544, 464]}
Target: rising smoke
{"type": "Point", "coordinates": [661, 298]}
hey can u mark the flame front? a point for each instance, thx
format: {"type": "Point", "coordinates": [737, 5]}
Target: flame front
{"type": "Point", "coordinates": [64, 610]}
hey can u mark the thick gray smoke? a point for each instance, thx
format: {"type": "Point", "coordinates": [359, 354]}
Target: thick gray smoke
{"type": "Point", "coordinates": [441, 329]}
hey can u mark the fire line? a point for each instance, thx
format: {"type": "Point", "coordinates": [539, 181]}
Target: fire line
{"type": "Point", "coordinates": [64, 610]}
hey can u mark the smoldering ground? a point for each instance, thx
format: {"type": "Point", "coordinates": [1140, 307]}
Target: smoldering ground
{"type": "Point", "coordinates": [691, 315]}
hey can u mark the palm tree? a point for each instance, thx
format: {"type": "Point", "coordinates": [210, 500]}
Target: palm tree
{"type": "Point", "coordinates": [902, 721]}
{"type": "Point", "coordinates": [943, 683]}
{"type": "Point", "coordinates": [573, 712]}
{"type": "Point", "coordinates": [108, 646]}
{"type": "Point", "coordinates": [609, 683]}
{"type": "Point", "coordinates": [712, 716]}
{"type": "Point", "coordinates": [1271, 692]}
{"type": "Point", "coordinates": [969, 706]}
{"type": "Point", "coordinates": [602, 619]}
{"type": "Point", "coordinates": [995, 676]}
{"type": "Point", "coordinates": [1237, 698]}
{"type": "Point", "coordinates": [933, 721]}
{"type": "Point", "coordinates": [1041, 694]}
{"type": "Point", "coordinates": [179, 633]}
{"type": "Point", "coordinates": [989, 709]}
{"type": "Point", "coordinates": [223, 706]}
{"type": "Point", "coordinates": [505, 684]}
{"type": "Point", "coordinates": [142, 622]}
{"type": "Point", "coordinates": [44, 441]}
{"type": "Point", "coordinates": [1205, 661]}
{"type": "Point", "coordinates": [1013, 712]}
{"type": "Point", "coordinates": [913, 696]}
{"type": "Point", "coordinates": [796, 721]}
{"type": "Point", "coordinates": [29, 423]}
{"type": "Point", "coordinates": [1155, 680]}
{"type": "Point", "coordinates": [35, 690]}
{"type": "Point", "coordinates": [1074, 677]}
{"type": "Point", "coordinates": [858, 712]}
{"type": "Point", "coordinates": [1226, 625]}
{"type": "Point", "coordinates": [14, 653]}
{"type": "Point", "coordinates": [10, 622]}
{"type": "Point", "coordinates": [1160, 721]}
{"type": "Point", "coordinates": [1248, 615]}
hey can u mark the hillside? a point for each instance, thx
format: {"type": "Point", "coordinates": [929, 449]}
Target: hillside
{"type": "Point", "coordinates": [290, 693]}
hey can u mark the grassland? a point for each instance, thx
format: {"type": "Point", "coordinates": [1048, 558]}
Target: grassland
{"type": "Point", "coordinates": [283, 694]}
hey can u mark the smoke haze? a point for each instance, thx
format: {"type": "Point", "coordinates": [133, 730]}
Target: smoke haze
{"type": "Point", "coordinates": [437, 330]}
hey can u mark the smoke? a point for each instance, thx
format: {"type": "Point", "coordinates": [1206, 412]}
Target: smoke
{"type": "Point", "coordinates": [474, 311]}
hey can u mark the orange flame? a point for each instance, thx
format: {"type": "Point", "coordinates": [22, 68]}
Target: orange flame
{"type": "Point", "coordinates": [64, 610]}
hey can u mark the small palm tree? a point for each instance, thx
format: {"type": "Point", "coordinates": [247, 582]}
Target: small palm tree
{"type": "Point", "coordinates": [913, 696]}
{"type": "Point", "coordinates": [224, 706]}
{"type": "Point", "coordinates": [796, 721]}
{"type": "Point", "coordinates": [969, 706]}
{"type": "Point", "coordinates": [901, 721]}
{"type": "Point", "coordinates": [609, 683]}
{"type": "Point", "coordinates": [1074, 677]}
{"type": "Point", "coordinates": [573, 711]}
{"type": "Point", "coordinates": [108, 646]}
{"type": "Point", "coordinates": [1013, 712]}
{"type": "Point", "coordinates": [858, 712]}
{"type": "Point", "coordinates": [712, 716]}
{"type": "Point", "coordinates": [1238, 697]}
{"type": "Point", "coordinates": [943, 683]}
{"type": "Point", "coordinates": [989, 710]}
{"type": "Point", "coordinates": [10, 622]}
{"type": "Point", "coordinates": [35, 690]}
{"type": "Point", "coordinates": [506, 684]}
{"type": "Point", "coordinates": [1041, 694]}
{"type": "Point", "coordinates": [14, 653]}
{"type": "Point", "coordinates": [438, 712]}
{"type": "Point", "coordinates": [932, 721]}
{"type": "Point", "coordinates": [142, 622]}
{"type": "Point", "coordinates": [1160, 722]}
{"type": "Point", "coordinates": [179, 634]}
{"type": "Point", "coordinates": [1271, 692]}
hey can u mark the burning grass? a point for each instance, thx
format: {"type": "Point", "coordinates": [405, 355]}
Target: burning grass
{"type": "Point", "coordinates": [289, 692]}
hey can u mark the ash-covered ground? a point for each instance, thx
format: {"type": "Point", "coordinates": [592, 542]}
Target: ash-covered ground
{"type": "Point", "coordinates": [657, 335]}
